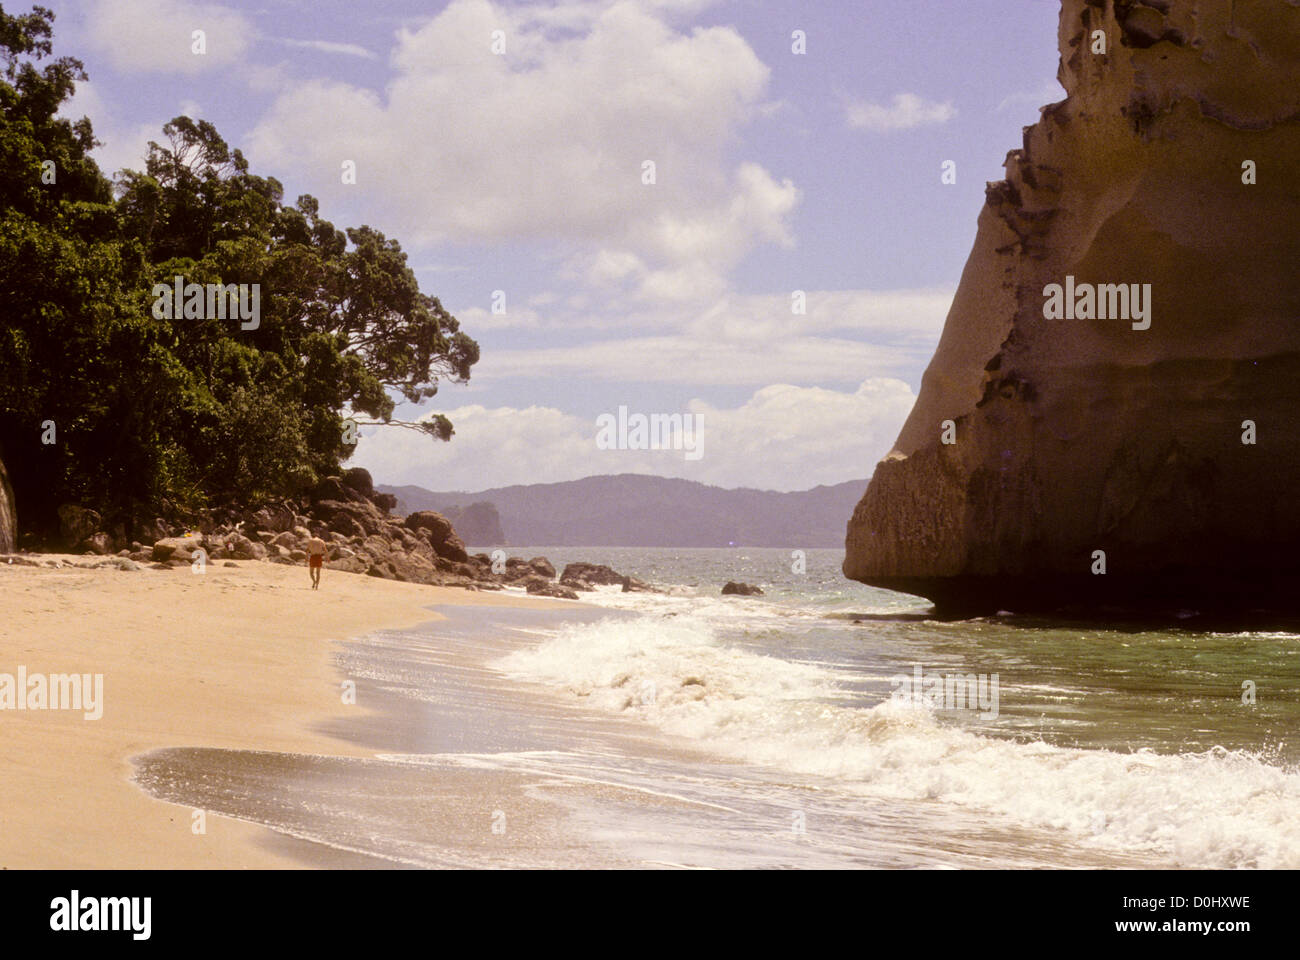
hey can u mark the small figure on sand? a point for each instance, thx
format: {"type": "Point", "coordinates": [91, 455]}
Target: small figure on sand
{"type": "Point", "coordinates": [315, 559]}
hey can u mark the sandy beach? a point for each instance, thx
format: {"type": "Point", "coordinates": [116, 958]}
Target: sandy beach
{"type": "Point", "coordinates": [236, 659]}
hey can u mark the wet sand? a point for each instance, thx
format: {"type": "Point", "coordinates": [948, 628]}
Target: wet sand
{"type": "Point", "coordinates": [223, 694]}
{"type": "Point", "coordinates": [465, 766]}
{"type": "Point", "coordinates": [235, 659]}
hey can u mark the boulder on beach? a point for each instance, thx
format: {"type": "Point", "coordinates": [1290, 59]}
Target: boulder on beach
{"type": "Point", "coordinates": [1108, 421]}
{"type": "Point", "coordinates": [442, 537]}
{"type": "Point", "coordinates": [542, 567]}
{"type": "Point", "coordinates": [540, 587]}
{"type": "Point", "coordinates": [76, 523]}
{"type": "Point", "coordinates": [359, 479]}
{"type": "Point", "coordinates": [176, 548]}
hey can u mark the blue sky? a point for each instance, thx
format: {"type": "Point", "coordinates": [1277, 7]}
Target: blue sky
{"type": "Point", "coordinates": [521, 172]}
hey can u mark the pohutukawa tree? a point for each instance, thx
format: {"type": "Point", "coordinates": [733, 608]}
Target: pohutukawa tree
{"type": "Point", "coordinates": [177, 415]}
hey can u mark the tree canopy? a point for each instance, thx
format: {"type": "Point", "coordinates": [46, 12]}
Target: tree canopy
{"type": "Point", "coordinates": [177, 415]}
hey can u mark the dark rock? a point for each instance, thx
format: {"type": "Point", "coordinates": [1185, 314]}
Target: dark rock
{"type": "Point", "coordinates": [151, 531]}
{"type": "Point", "coordinates": [359, 479]}
{"type": "Point", "coordinates": [176, 548]}
{"type": "Point", "coordinates": [336, 513]}
{"type": "Point", "coordinates": [545, 588]}
{"type": "Point", "coordinates": [588, 574]}
{"type": "Point", "coordinates": [348, 565]}
{"type": "Point", "coordinates": [442, 537]}
{"type": "Point", "coordinates": [76, 523]}
{"type": "Point", "coordinates": [8, 514]}
{"type": "Point", "coordinates": [277, 519]}
{"type": "Point", "coordinates": [741, 589]}
{"type": "Point", "coordinates": [333, 488]}
{"type": "Point", "coordinates": [98, 543]}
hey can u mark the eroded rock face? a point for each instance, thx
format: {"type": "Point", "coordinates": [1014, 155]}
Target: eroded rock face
{"type": "Point", "coordinates": [1073, 436]}
{"type": "Point", "coordinates": [8, 515]}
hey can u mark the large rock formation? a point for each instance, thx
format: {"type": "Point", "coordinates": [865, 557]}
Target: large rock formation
{"type": "Point", "coordinates": [8, 514]}
{"type": "Point", "coordinates": [1072, 436]}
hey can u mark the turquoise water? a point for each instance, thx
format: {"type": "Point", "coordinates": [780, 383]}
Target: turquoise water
{"type": "Point", "coordinates": [1123, 740]}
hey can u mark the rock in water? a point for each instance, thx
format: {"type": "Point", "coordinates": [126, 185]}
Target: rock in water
{"type": "Point", "coordinates": [8, 514]}
{"type": "Point", "coordinates": [1155, 440]}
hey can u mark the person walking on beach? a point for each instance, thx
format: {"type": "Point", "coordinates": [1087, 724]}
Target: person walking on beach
{"type": "Point", "coordinates": [315, 559]}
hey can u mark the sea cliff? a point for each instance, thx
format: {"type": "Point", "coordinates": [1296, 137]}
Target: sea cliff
{"type": "Point", "coordinates": [1091, 457]}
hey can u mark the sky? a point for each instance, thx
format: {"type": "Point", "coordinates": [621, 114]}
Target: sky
{"type": "Point", "coordinates": [796, 146]}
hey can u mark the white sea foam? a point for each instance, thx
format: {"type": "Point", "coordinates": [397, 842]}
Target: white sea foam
{"type": "Point", "coordinates": [1211, 809]}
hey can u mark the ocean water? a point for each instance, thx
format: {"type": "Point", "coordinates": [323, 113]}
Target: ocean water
{"type": "Point", "coordinates": [1108, 746]}
{"type": "Point", "coordinates": [687, 729]}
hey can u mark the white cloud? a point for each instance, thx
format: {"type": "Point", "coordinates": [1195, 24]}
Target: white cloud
{"type": "Point", "coordinates": [733, 340]}
{"type": "Point", "coordinates": [156, 36]}
{"type": "Point", "coordinates": [121, 145]}
{"type": "Point", "coordinates": [547, 141]}
{"type": "Point", "coordinates": [682, 359]}
{"type": "Point", "coordinates": [782, 438]}
{"type": "Point", "coordinates": [907, 112]}
{"type": "Point", "coordinates": [476, 320]}
{"type": "Point", "coordinates": [329, 46]}
{"type": "Point", "coordinates": [1049, 92]}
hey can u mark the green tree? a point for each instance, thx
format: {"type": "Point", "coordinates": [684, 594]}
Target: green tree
{"type": "Point", "coordinates": [177, 415]}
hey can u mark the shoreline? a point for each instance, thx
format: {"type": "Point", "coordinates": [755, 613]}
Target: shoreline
{"type": "Point", "coordinates": [238, 658]}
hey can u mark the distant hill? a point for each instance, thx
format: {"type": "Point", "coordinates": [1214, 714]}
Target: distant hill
{"type": "Point", "coordinates": [635, 510]}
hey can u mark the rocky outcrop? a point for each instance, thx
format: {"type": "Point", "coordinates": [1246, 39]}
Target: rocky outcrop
{"type": "Point", "coordinates": [76, 523]}
{"type": "Point", "coordinates": [479, 523]}
{"type": "Point", "coordinates": [544, 588]}
{"type": "Point", "coordinates": [1109, 454]}
{"type": "Point", "coordinates": [350, 516]}
{"type": "Point", "coordinates": [440, 533]}
{"type": "Point", "coordinates": [585, 576]}
{"type": "Point", "coordinates": [8, 513]}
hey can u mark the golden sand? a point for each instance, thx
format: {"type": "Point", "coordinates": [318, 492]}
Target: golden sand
{"type": "Point", "coordinates": [236, 658]}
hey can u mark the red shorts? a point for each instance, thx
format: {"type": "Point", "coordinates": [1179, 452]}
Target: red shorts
{"type": "Point", "coordinates": [315, 561]}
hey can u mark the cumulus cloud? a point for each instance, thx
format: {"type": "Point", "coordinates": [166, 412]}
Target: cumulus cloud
{"type": "Point", "coordinates": [783, 437]}
{"type": "Point", "coordinates": [734, 340]}
{"type": "Point", "coordinates": [549, 140]}
{"type": "Point", "coordinates": [906, 112]}
{"type": "Point", "coordinates": [156, 36]}
{"type": "Point", "coordinates": [122, 145]}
